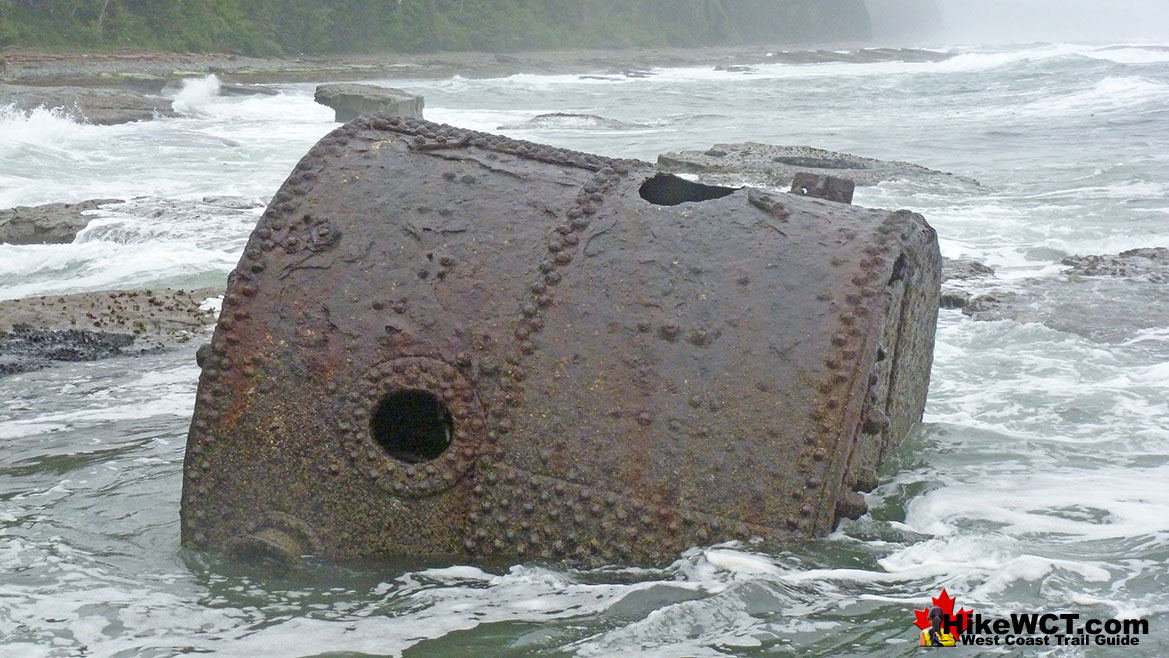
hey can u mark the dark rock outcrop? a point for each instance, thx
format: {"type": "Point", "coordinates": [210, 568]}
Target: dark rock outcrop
{"type": "Point", "coordinates": [52, 223]}
{"type": "Point", "coordinates": [1150, 263]}
{"type": "Point", "coordinates": [772, 166]}
{"type": "Point", "coordinates": [25, 349]}
{"type": "Point", "coordinates": [350, 101]}
{"type": "Point", "coordinates": [36, 332]}
{"type": "Point", "coordinates": [823, 186]}
{"type": "Point", "coordinates": [100, 106]}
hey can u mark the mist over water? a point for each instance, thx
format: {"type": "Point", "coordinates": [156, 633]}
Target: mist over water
{"type": "Point", "coordinates": [1030, 21]}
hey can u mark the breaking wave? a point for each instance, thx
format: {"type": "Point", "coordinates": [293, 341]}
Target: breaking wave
{"type": "Point", "coordinates": [196, 93]}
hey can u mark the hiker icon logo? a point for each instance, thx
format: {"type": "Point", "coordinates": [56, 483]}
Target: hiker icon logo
{"type": "Point", "coordinates": [940, 626]}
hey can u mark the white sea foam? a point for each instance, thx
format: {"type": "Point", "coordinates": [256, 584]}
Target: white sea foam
{"type": "Point", "coordinates": [1127, 94]}
{"type": "Point", "coordinates": [216, 222]}
{"type": "Point", "coordinates": [1123, 190]}
{"type": "Point", "coordinates": [739, 562]}
{"type": "Point", "coordinates": [984, 60]}
{"type": "Point", "coordinates": [195, 93]}
{"type": "Point", "coordinates": [138, 243]}
{"type": "Point", "coordinates": [225, 146]}
{"type": "Point", "coordinates": [40, 127]}
{"type": "Point", "coordinates": [1104, 244]}
{"type": "Point", "coordinates": [1107, 503]}
{"type": "Point", "coordinates": [166, 393]}
{"type": "Point", "coordinates": [440, 604]}
{"type": "Point", "coordinates": [50, 269]}
{"type": "Point", "coordinates": [36, 144]}
{"type": "Point", "coordinates": [212, 304]}
{"type": "Point", "coordinates": [1135, 54]}
{"type": "Point", "coordinates": [539, 80]}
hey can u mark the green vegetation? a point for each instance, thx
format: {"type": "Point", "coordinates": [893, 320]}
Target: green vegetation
{"type": "Point", "coordinates": [265, 27]}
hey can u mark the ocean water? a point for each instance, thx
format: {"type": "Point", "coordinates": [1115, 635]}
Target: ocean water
{"type": "Point", "coordinates": [1037, 482]}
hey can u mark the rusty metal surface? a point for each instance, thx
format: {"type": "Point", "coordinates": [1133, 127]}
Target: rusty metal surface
{"type": "Point", "coordinates": [604, 379]}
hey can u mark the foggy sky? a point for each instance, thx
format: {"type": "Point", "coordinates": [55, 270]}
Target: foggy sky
{"type": "Point", "coordinates": [1018, 21]}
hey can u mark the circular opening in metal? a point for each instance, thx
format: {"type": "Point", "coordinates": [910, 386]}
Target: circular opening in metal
{"type": "Point", "coordinates": [411, 426]}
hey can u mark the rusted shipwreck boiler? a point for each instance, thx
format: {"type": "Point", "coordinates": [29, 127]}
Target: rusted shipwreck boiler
{"type": "Point", "coordinates": [443, 343]}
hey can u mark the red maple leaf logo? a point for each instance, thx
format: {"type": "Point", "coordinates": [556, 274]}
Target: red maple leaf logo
{"type": "Point", "coordinates": [946, 603]}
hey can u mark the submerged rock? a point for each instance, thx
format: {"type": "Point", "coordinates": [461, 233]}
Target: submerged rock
{"type": "Point", "coordinates": [350, 100]}
{"type": "Point", "coordinates": [1150, 263]}
{"type": "Point", "coordinates": [1094, 298]}
{"type": "Point", "coordinates": [51, 223]}
{"type": "Point", "coordinates": [775, 166]}
{"type": "Point", "coordinates": [735, 68]}
{"type": "Point", "coordinates": [1097, 308]}
{"type": "Point", "coordinates": [100, 106]}
{"type": "Point", "coordinates": [963, 270]}
{"type": "Point", "coordinates": [229, 203]}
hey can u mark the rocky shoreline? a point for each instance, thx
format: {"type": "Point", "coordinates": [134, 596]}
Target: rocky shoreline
{"type": "Point", "coordinates": [125, 86]}
{"type": "Point", "coordinates": [127, 68]}
{"type": "Point", "coordinates": [98, 106]}
{"type": "Point", "coordinates": [38, 332]}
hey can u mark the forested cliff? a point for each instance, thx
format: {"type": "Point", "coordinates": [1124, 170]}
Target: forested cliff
{"type": "Point", "coordinates": [315, 26]}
